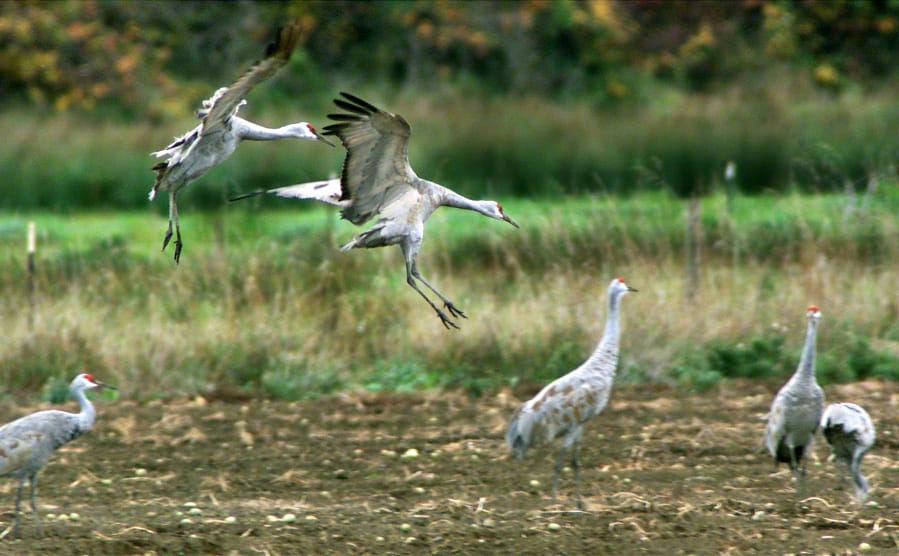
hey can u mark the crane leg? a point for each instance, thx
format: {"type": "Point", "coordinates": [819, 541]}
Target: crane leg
{"type": "Point", "coordinates": [447, 322]}
{"type": "Point", "coordinates": [557, 469]}
{"type": "Point", "coordinates": [173, 218]}
{"type": "Point", "coordinates": [15, 529]}
{"type": "Point", "coordinates": [575, 464]}
{"type": "Point", "coordinates": [37, 518]}
{"type": "Point", "coordinates": [798, 469]}
{"type": "Point", "coordinates": [454, 311]}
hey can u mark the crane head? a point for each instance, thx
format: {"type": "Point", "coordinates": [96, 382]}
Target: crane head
{"type": "Point", "coordinates": [86, 381]}
{"type": "Point", "coordinates": [812, 312]}
{"type": "Point", "coordinates": [619, 286]}
{"type": "Point", "coordinates": [495, 210]}
{"type": "Point", "coordinates": [305, 130]}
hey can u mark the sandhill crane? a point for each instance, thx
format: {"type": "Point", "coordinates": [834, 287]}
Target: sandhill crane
{"type": "Point", "coordinates": [27, 443]}
{"type": "Point", "coordinates": [796, 410]}
{"type": "Point", "coordinates": [221, 130]}
{"type": "Point", "coordinates": [378, 180]}
{"type": "Point", "coordinates": [850, 434]}
{"type": "Point", "coordinates": [563, 407]}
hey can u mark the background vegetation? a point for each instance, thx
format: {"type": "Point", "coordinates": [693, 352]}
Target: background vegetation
{"type": "Point", "coordinates": [589, 120]}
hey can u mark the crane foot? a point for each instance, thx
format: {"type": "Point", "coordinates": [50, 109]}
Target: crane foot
{"type": "Point", "coordinates": [178, 245]}
{"type": "Point", "coordinates": [454, 311]}
{"type": "Point", "coordinates": [446, 320]}
{"type": "Point", "coordinates": [167, 238]}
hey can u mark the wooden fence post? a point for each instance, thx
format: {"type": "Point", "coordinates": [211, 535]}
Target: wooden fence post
{"type": "Point", "coordinates": [29, 284]}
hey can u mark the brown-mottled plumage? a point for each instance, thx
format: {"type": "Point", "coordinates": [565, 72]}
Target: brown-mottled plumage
{"type": "Point", "coordinates": [563, 407]}
{"type": "Point", "coordinates": [796, 410]}
{"type": "Point", "coordinates": [221, 131]}
{"type": "Point", "coordinates": [26, 444]}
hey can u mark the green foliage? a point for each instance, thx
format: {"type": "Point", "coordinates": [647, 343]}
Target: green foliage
{"type": "Point", "coordinates": [299, 383]}
{"type": "Point", "coordinates": [759, 358]}
{"type": "Point", "coordinates": [404, 376]}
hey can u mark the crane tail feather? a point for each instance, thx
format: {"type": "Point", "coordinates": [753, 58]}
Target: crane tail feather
{"type": "Point", "coordinates": [519, 433]}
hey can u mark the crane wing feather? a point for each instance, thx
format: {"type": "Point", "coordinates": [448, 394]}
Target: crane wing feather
{"type": "Point", "coordinates": [226, 101]}
{"type": "Point", "coordinates": [376, 169]}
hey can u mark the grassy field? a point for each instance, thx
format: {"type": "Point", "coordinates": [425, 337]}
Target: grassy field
{"type": "Point", "coordinates": [263, 300]}
{"type": "Point", "coordinates": [785, 136]}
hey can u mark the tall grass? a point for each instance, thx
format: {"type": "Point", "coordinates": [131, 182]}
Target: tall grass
{"type": "Point", "coordinates": [264, 300]}
{"type": "Point", "coordinates": [779, 137]}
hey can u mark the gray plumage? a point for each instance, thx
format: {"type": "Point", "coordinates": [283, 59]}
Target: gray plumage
{"type": "Point", "coordinates": [563, 407]}
{"type": "Point", "coordinates": [796, 411]}
{"type": "Point", "coordinates": [850, 434]}
{"type": "Point", "coordinates": [377, 180]}
{"type": "Point", "coordinates": [26, 444]}
{"type": "Point", "coordinates": [221, 131]}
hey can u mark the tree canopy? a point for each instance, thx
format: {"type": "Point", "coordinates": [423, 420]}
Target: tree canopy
{"type": "Point", "coordinates": [145, 57]}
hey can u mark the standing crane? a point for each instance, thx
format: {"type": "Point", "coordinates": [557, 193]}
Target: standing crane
{"type": "Point", "coordinates": [850, 434]}
{"type": "Point", "coordinates": [563, 407]}
{"type": "Point", "coordinates": [27, 443]}
{"type": "Point", "coordinates": [796, 410]}
{"type": "Point", "coordinates": [378, 180]}
{"type": "Point", "coordinates": [221, 130]}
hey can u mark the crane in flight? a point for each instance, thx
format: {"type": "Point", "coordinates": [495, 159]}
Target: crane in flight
{"type": "Point", "coordinates": [377, 180]}
{"type": "Point", "coordinates": [220, 131]}
{"type": "Point", "coordinates": [564, 406]}
{"type": "Point", "coordinates": [26, 444]}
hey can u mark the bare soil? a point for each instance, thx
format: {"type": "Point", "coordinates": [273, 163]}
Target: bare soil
{"type": "Point", "coordinates": [663, 473]}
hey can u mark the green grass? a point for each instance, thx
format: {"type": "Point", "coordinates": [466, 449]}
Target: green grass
{"type": "Point", "coordinates": [780, 139]}
{"type": "Point", "coordinates": [263, 300]}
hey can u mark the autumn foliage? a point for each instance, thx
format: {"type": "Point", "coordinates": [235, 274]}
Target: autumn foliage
{"type": "Point", "coordinates": [146, 58]}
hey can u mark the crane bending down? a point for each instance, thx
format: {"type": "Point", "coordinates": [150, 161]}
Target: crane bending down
{"type": "Point", "coordinates": [563, 407]}
{"type": "Point", "coordinates": [221, 130]}
{"type": "Point", "coordinates": [27, 443]}
{"type": "Point", "coordinates": [850, 434]}
{"type": "Point", "coordinates": [378, 180]}
{"type": "Point", "coordinates": [796, 410]}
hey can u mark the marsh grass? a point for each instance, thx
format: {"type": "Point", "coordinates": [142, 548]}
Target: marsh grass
{"type": "Point", "coordinates": [263, 300]}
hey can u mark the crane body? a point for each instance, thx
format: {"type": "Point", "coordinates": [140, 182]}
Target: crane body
{"type": "Point", "coordinates": [796, 411]}
{"type": "Point", "coordinates": [220, 131]}
{"type": "Point", "coordinates": [849, 432]}
{"type": "Point", "coordinates": [26, 444]}
{"type": "Point", "coordinates": [562, 408]}
{"type": "Point", "coordinates": [378, 181]}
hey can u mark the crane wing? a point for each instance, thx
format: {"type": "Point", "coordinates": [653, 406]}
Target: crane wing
{"type": "Point", "coordinates": [326, 191]}
{"type": "Point", "coordinates": [376, 170]}
{"type": "Point", "coordinates": [227, 100]}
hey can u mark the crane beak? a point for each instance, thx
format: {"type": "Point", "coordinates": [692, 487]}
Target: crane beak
{"type": "Point", "coordinates": [104, 385]}
{"type": "Point", "coordinates": [630, 289]}
{"type": "Point", "coordinates": [510, 221]}
{"type": "Point", "coordinates": [321, 138]}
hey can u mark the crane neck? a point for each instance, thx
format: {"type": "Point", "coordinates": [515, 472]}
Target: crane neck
{"type": "Point", "coordinates": [250, 131]}
{"type": "Point", "coordinates": [452, 199]}
{"type": "Point", "coordinates": [87, 414]}
{"type": "Point", "coordinates": [612, 332]}
{"type": "Point", "coordinates": [806, 368]}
